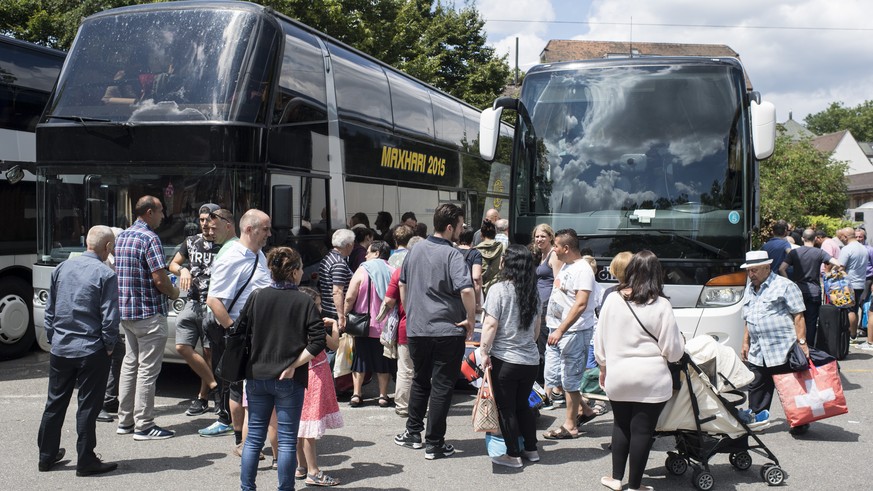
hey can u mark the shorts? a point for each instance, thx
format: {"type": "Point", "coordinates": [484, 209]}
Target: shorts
{"type": "Point", "coordinates": [189, 325]}
{"type": "Point", "coordinates": [565, 363]}
{"type": "Point", "coordinates": [858, 300]}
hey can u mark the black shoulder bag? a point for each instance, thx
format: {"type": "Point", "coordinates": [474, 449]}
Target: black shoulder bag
{"type": "Point", "coordinates": [675, 368]}
{"type": "Point", "coordinates": [358, 324]}
{"type": "Point", "coordinates": [237, 340]}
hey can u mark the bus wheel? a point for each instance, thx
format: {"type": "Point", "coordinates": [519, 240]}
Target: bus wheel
{"type": "Point", "coordinates": [16, 318]}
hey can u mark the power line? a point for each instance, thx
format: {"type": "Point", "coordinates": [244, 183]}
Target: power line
{"type": "Point", "coordinates": [705, 26]}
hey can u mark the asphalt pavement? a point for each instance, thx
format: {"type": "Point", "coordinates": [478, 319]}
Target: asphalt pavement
{"type": "Point", "coordinates": [833, 455]}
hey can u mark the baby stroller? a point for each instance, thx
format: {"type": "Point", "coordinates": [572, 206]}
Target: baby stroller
{"type": "Point", "coordinates": [704, 419]}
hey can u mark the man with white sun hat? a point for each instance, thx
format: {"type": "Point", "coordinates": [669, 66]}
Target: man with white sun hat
{"type": "Point", "coordinates": [773, 312]}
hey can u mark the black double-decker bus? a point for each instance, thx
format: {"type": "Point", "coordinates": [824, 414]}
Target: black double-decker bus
{"type": "Point", "coordinates": [232, 103]}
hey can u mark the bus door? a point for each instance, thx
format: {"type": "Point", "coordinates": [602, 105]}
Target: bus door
{"type": "Point", "coordinates": [300, 218]}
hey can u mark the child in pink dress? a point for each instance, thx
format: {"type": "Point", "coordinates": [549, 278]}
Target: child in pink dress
{"type": "Point", "coordinates": [320, 408]}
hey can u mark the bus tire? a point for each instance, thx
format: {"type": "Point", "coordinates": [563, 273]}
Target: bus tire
{"type": "Point", "coordinates": [16, 318]}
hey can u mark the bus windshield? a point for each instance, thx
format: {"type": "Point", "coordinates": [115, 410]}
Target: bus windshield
{"type": "Point", "coordinates": [627, 152]}
{"type": "Point", "coordinates": [72, 203]}
{"type": "Point", "coordinates": [161, 65]}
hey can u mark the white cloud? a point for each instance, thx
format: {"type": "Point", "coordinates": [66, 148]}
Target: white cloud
{"type": "Point", "coordinates": [802, 70]}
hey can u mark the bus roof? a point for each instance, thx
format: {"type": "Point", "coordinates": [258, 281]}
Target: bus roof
{"type": "Point", "coordinates": [270, 13]}
{"type": "Point", "coordinates": [636, 61]}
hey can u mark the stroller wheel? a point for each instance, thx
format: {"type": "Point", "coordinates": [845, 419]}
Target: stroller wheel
{"type": "Point", "coordinates": [773, 475]}
{"type": "Point", "coordinates": [676, 464]}
{"type": "Point", "coordinates": [741, 460]}
{"type": "Point", "coordinates": [702, 480]}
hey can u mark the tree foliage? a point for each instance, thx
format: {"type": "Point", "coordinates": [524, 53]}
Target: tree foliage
{"type": "Point", "coordinates": [838, 117]}
{"type": "Point", "coordinates": [430, 40]}
{"type": "Point", "coordinates": [799, 181]}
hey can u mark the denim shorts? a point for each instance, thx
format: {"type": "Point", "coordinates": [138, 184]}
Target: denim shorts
{"type": "Point", "coordinates": [189, 325]}
{"type": "Point", "coordinates": [565, 363]}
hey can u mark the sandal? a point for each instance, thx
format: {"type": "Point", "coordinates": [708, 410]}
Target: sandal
{"type": "Point", "coordinates": [355, 401]}
{"type": "Point", "coordinates": [299, 474]}
{"type": "Point", "coordinates": [582, 419]}
{"type": "Point", "coordinates": [600, 409]}
{"type": "Point", "coordinates": [384, 401]}
{"type": "Point", "coordinates": [320, 479]}
{"type": "Point", "coordinates": [560, 433]}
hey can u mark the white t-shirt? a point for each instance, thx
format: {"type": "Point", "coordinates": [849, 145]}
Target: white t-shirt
{"type": "Point", "coordinates": [573, 277]}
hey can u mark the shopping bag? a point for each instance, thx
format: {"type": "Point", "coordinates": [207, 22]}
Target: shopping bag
{"type": "Point", "coordinates": [496, 445]}
{"type": "Point", "coordinates": [838, 290]}
{"type": "Point", "coordinates": [342, 364]}
{"type": "Point", "coordinates": [389, 330]}
{"type": "Point", "coordinates": [811, 395]}
{"type": "Point", "coordinates": [485, 407]}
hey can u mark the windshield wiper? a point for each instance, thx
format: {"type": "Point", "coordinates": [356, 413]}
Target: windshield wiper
{"type": "Point", "coordinates": [81, 119]}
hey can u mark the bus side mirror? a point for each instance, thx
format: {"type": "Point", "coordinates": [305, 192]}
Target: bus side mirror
{"type": "Point", "coordinates": [282, 207]}
{"type": "Point", "coordinates": [489, 130]}
{"type": "Point", "coordinates": [763, 128]}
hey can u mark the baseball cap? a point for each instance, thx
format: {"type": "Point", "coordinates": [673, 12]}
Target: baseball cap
{"type": "Point", "coordinates": [208, 208]}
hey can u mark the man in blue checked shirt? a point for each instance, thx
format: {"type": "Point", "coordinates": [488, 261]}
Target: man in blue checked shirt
{"type": "Point", "coordinates": [143, 283]}
{"type": "Point", "coordinates": [773, 312]}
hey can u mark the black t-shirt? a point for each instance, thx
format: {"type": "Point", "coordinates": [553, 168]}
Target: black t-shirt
{"type": "Point", "coordinates": [807, 262]}
{"type": "Point", "coordinates": [200, 254]}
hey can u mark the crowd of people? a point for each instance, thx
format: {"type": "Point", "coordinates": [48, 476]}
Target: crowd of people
{"type": "Point", "coordinates": [417, 299]}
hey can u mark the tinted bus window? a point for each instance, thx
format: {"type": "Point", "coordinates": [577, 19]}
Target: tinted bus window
{"type": "Point", "coordinates": [162, 65]}
{"type": "Point", "coordinates": [361, 88]}
{"type": "Point", "coordinates": [448, 120]}
{"type": "Point", "coordinates": [410, 104]}
{"type": "Point", "coordinates": [471, 120]}
{"type": "Point", "coordinates": [26, 78]}
{"type": "Point", "coordinates": [302, 94]}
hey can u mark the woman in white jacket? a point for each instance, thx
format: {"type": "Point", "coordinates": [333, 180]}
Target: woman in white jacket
{"type": "Point", "coordinates": [636, 336]}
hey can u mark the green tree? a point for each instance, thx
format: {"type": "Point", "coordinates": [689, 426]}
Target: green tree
{"type": "Point", "coordinates": [799, 181]}
{"type": "Point", "coordinates": [838, 117]}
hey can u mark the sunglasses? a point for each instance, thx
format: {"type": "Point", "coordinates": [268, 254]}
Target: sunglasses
{"type": "Point", "coordinates": [216, 215]}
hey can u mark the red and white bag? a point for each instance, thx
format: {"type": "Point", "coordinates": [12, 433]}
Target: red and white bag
{"type": "Point", "coordinates": [812, 394]}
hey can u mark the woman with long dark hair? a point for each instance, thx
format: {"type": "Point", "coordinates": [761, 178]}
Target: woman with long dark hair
{"type": "Point", "coordinates": [508, 343]}
{"type": "Point", "coordinates": [286, 333]}
{"type": "Point", "coordinates": [637, 336]}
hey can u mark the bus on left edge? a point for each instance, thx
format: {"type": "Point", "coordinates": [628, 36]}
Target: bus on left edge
{"type": "Point", "coordinates": [27, 74]}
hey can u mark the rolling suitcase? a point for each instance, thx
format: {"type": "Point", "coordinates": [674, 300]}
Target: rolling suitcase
{"type": "Point", "coordinates": [832, 336]}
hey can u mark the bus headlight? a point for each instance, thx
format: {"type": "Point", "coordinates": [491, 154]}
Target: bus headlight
{"type": "Point", "coordinates": [40, 297]}
{"type": "Point", "coordinates": [178, 305]}
{"type": "Point", "coordinates": [723, 291]}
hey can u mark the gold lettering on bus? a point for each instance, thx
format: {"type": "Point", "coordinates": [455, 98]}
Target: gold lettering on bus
{"type": "Point", "coordinates": [410, 161]}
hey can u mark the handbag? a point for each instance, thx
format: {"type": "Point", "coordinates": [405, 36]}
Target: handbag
{"type": "Point", "coordinates": [214, 330]}
{"type": "Point", "coordinates": [237, 347]}
{"type": "Point", "coordinates": [675, 368]}
{"type": "Point", "coordinates": [811, 395]}
{"type": "Point", "coordinates": [485, 408]}
{"type": "Point", "coordinates": [797, 360]}
{"type": "Point", "coordinates": [358, 324]}
{"type": "Point", "coordinates": [389, 331]}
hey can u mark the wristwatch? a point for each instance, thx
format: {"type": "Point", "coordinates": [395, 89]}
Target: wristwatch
{"type": "Point", "coordinates": [801, 341]}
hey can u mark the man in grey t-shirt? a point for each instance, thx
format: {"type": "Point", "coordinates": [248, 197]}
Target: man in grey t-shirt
{"type": "Point", "coordinates": [853, 257]}
{"type": "Point", "coordinates": [437, 293]}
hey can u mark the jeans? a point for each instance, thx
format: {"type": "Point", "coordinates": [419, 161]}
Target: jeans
{"type": "Point", "coordinates": [144, 342]}
{"type": "Point", "coordinates": [437, 364]}
{"type": "Point", "coordinates": [110, 400]}
{"type": "Point", "coordinates": [263, 395]}
{"type": "Point", "coordinates": [565, 362]}
{"type": "Point", "coordinates": [88, 374]}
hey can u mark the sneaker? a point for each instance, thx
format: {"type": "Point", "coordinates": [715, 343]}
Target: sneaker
{"type": "Point", "coordinates": [746, 416]}
{"type": "Point", "coordinates": [531, 456]}
{"type": "Point", "coordinates": [105, 417]}
{"type": "Point", "coordinates": [763, 416]}
{"type": "Point", "coordinates": [762, 421]}
{"type": "Point", "coordinates": [556, 400]}
{"type": "Point", "coordinates": [153, 433]}
{"type": "Point", "coordinates": [124, 430]}
{"type": "Point", "coordinates": [216, 429]}
{"type": "Point", "coordinates": [865, 346]}
{"type": "Point", "coordinates": [197, 407]}
{"type": "Point", "coordinates": [433, 452]}
{"type": "Point", "coordinates": [507, 461]}
{"type": "Point", "coordinates": [410, 440]}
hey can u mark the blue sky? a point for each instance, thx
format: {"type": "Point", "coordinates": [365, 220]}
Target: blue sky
{"type": "Point", "coordinates": [800, 54]}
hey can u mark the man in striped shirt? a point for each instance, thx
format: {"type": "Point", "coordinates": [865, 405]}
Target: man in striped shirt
{"type": "Point", "coordinates": [334, 276]}
{"type": "Point", "coordinates": [142, 284]}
